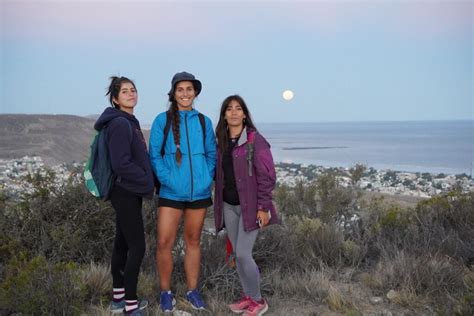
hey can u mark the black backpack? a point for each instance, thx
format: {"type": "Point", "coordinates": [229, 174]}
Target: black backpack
{"type": "Point", "coordinates": [166, 131]}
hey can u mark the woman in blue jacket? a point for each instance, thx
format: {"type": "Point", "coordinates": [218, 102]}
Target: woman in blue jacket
{"type": "Point", "coordinates": [185, 171]}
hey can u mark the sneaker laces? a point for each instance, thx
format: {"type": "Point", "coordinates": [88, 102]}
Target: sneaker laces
{"type": "Point", "coordinates": [243, 299]}
{"type": "Point", "coordinates": [166, 299]}
{"type": "Point", "coordinates": [253, 305]}
{"type": "Point", "coordinates": [195, 298]}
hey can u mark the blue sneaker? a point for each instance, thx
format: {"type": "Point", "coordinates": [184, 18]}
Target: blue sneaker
{"type": "Point", "coordinates": [117, 307]}
{"type": "Point", "coordinates": [167, 302]}
{"type": "Point", "coordinates": [195, 299]}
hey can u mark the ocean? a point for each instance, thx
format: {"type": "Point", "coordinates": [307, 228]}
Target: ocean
{"type": "Point", "coordinates": [413, 146]}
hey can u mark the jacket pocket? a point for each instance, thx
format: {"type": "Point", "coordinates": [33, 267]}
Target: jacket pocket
{"type": "Point", "coordinates": [203, 179]}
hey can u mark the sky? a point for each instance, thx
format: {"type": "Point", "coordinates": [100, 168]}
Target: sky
{"type": "Point", "coordinates": [384, 60]}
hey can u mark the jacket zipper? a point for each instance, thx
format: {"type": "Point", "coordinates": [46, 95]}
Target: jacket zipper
{"type": "Point", "coordinates": [189, 154]}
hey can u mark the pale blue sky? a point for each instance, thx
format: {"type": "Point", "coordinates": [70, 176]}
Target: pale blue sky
{"type": "Point", "coordinates": [344, 60]}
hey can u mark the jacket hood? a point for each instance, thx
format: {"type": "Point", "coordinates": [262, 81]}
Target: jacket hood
{"type": "Point", "coordinates": [109, 114]}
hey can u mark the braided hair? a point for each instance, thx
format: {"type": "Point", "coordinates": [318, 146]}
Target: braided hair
{"type": "Point", "coordinates": [175, 127]}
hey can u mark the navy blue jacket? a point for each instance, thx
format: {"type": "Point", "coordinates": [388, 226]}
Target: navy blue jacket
{"type": "Point", "coordinates": [128, 152]}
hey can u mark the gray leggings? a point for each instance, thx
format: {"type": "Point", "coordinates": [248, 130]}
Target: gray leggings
{"type": "Point", "coordinates": [243, 242]}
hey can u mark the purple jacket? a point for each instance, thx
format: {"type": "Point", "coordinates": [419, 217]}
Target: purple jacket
{"type": "Point", "coordinates": [255, 186]}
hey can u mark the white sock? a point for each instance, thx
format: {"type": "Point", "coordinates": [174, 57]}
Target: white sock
{"type": "Point", "coordinates": [131, 305]}
{"type": "Point", "coordinates": [119, 294]}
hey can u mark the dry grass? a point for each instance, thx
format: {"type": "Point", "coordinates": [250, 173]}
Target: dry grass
{"type": "Point", "coordinates": [308, 264]}
{"type": "Point", "coordinates": [97, 279]}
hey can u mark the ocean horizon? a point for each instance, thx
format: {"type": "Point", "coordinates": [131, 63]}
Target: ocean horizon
{"type": "Point", "coordinates": [411, 146]}
{"type": "Point", "coordinates": [435, 146]}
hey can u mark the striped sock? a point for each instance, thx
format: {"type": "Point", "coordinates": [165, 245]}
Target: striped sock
{"type": "Point", "coordinates": [131, 305]}
{"type": "Point", "coordinates": [119, 294]}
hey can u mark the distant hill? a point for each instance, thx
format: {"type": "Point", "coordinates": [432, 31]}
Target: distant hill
{"type": "Point", "coordinates": [55, 138]}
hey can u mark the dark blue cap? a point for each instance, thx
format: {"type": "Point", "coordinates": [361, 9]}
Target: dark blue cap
{"type": "Point", "coordinates": [185, 76]}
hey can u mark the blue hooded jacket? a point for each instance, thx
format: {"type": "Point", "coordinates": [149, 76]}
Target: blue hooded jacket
{"type": "Point", "coordinates": [128, 152]}
{"type": "Point", "coordinates": [191, 180]}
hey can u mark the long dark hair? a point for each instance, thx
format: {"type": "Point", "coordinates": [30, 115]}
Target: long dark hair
{"type": "Point", "coordinates": [114, 88]}
{"type": "Point", "coordinates": [222, 130]}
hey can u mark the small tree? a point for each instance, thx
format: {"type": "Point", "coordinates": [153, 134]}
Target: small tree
{"type": "Point", "coordinates": [357, 172]}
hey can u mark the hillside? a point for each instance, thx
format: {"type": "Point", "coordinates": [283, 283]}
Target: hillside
{"type": "Point", "coordinates": [55, 138]}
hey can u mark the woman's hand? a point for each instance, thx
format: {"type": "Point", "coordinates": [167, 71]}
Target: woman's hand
{"type": "Point", "coordinates": [263, 217]}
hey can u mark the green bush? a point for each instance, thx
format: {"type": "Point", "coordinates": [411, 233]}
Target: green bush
{"type": "Point", "coordinates": [446, 224]}
{"type": "Point", "coordinates": [35, 286]}
{"type": "Point", "coordinates": [68, 224]}
{"type": "Point", "coordinates": [420, 252]}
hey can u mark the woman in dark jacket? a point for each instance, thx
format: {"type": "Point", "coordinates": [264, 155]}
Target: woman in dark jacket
{"type": "Point", "coordinates": [131, 165]}
{"type": "Point", "coordinates": [245, 178]}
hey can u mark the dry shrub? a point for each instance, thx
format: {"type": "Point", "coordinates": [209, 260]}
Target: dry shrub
{"type": "Point", "coordinates": [336, 300]}
{"type": "Point", "coordinates": [469, 280]}
{"type": "Point", "coordinates": [302, 243]}
{"type": "Point", "coordinates": [150, 211]}
{"type": "Point", "coordinates": [446, 225]}
{"type": "Point", "coordinates": [296, 201]}
{"type": "Point", "coordinates": [311, 241]}
{"type": "Point", "coordinates": [219, 280]}
{"type": "Point", "coordinates": [352, 252]}
{"type": "Point", "coordinates": [97, 281]}
{"type": "Point", "coordinates": [65, 225]}
{"type": "Point", "coordinates": [387, 224]}
{"type": "Point", "coordinates": [147, 285]}
{"type": "Point", "coordinates": [314, 288]}
{"type": "Point", "coordinates": [441, 225]}
{"type": "Point", "coordinates": [429, 276]}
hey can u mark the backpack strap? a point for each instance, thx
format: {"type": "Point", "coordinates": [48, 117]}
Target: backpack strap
{"type": "Point", "coordinates": [166, 130]}
{"type": "Point", "coordinates": [202, 120]}
{"type": "Point", "coordinates": [250, 150]}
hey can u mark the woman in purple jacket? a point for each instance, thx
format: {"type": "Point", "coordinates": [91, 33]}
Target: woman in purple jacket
{"type": "Point", "coordinates": [245, 178]}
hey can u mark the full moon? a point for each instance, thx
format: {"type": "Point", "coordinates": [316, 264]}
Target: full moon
{"type": "Point", "coordinates": [288, 95]}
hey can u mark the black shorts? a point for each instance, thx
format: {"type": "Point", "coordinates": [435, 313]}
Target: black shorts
{"type": "Point", "coordinates": [181, 205]}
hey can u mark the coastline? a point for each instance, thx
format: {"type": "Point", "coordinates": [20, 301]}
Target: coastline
{"type": "Point", "coordinates": [404, 186]}
{"type": "Point", "coordinates": [383, 181]}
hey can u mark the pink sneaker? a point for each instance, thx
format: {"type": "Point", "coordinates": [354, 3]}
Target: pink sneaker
{"type": "Point", "coordinates": [256, 308]}
{"type": "Point", "coordinates": [241, 305]}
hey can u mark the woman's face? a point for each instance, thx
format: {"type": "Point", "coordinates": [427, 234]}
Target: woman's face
{"type": "Point", "coordinates": [234, 114]}
{"type": "Point", "coordinates": [127, 98]}
{"type": "Point", "coordinates": [184, 95]}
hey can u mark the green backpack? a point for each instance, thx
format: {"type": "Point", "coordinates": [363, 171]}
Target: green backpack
{"type": "Point", "coordinates": [99, 178]}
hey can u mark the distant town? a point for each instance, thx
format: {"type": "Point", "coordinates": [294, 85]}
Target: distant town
{"type": "Point", "coordinates": [14, 177]}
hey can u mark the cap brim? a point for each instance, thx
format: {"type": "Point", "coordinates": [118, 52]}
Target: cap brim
{"type": "Point", "coordinates": [196, 83]}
